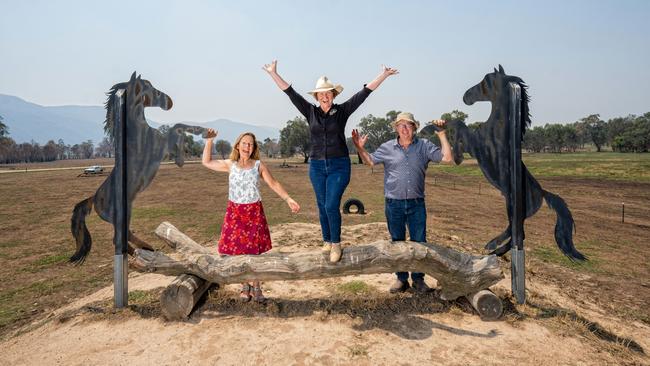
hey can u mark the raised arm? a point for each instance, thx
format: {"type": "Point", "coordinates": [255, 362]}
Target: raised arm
{"type": "Point", "coordinates": [386, 72]}
{"type": "Point", "coordinates": [358, 142]}
{"type": "Point", "coordinates": [277, 188]}
{"type": "Point", "coordinates": [206, 159]}
{"type": "Point", "coordinates": [272, 69]}
{"type": "Point", "coordinates": [447, 156]}
{"type": "Point", "coordinates": [301, 104]}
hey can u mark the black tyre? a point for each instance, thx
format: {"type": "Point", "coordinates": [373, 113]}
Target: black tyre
{"type": "Point", "coordinates": [353, 202]}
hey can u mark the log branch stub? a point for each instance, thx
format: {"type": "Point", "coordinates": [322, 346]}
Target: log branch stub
{"type": "Point", "coordinates": [178, 240]}
{"type": "Point", "coordinates": [458, 274]}
{"type": "Point", "coordinates": [181, 295]}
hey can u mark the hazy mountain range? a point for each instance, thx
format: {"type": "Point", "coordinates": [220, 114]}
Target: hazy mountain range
{"type": "Point", "coordinates": [74, 124]}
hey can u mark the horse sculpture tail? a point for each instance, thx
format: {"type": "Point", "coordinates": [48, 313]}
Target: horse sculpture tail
{"type": "Point", "coordinates": [80, 231]}
{"type": "Point", "coordinates": [563, 226]}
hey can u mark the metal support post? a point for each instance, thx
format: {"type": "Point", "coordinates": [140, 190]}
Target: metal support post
{"type": "Point", "coordinates": [516, 190]}
{"type": "Point", "coordinates": [120, 238]}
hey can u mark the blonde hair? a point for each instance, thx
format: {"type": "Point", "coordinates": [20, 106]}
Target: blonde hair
{"type": "Point", "coordinates": [255, 154]}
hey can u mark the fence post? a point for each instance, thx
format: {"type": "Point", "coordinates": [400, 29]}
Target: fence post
{"type": "Point", "coordinates": [516, 191]}
{"type": "Point", "coordinates": [622, 212]}
{"type": "Point", "coordinates": [119, 191]}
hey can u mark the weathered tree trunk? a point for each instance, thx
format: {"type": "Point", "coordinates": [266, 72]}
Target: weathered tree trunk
{"type": "Point", "coordinates": [487, 304]}
{"type": "Point", "coordinates": [458, 274]}
{"type": "Point", "coordinates": [180, 296]}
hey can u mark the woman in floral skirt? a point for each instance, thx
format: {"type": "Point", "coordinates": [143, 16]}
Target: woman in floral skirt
{"type": "Point", "coordinates": [244, 229]}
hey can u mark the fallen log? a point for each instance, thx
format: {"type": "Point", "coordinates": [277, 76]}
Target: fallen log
{"type": "Point", "coordinates": [487, 304]}
{"type": "Point", "coordinates": [458, 274]}
{"type": "Point", "coordinates": [180, 296]}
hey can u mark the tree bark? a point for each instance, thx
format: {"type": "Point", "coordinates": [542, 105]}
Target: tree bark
{"type": "Point", "coordinates": [458, 274]}
{"type": "Point", "coordinates": [180, 296]}
{"type": "Point", "coordinates": [487, 304]}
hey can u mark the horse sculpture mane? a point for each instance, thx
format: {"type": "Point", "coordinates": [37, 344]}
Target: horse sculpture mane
{"type": "Point", "coordinates": [490, 146]}
{"type": "Point", "coordinates": [146, 147]}
{"type": "Point", "coordinates": [109, 105]}
{"type": "Point", "coordinates": [525, 99]}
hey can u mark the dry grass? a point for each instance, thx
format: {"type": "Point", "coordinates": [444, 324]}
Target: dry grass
{"type": "Point", "coordinates": [357, 350]}
{"type": "Point", "coordinates": [356, 288]}
{"type": "Point", "coordinates": [35, 239]}
{"type": "Point", "coordinates": [569, 323]}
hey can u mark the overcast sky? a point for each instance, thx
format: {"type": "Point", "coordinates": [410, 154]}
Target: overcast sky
{"type": "Point", "coordinates": [578, 57]}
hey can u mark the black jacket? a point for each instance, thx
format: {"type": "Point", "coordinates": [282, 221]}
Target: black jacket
{"type": "Point", "coordinates": [327, 130]}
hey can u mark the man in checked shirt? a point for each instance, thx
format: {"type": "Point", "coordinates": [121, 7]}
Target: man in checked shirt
{"type": "Point", "coordinates": [405, 162]}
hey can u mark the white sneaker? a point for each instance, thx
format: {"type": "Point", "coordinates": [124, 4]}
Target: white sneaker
{"type": "Point", "coordinates": [335, 253]}
{"type": "Point", "coordinates": [327, 247]}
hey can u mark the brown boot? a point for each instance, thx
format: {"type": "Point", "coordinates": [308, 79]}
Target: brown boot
{"type": "Point", "coordinates": [335, 253]}
{"type": "Point", "coordinates": [421, 287]}
{"type": "Point", "coordinates": [399, 286]}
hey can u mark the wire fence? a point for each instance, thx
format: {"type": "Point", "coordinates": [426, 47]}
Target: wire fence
{"type": "Point", "coordinates": [632, 211]}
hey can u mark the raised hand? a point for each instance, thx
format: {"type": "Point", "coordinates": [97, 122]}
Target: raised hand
{"type": "Point", "coordinates": [271, 68]}
{"type": "Point", "coordinates": [211, 133]}
{"type": "Point", "coordinates": [385, 72]}
{"type": "Point", "coordinates": [441, 124]}
{"type": "Point", "coordinates": [437, 125]}
{"type": "Point", "coordinates": [438, 122]}
{"type": "Point", "coordinates": [358, 140]}
{"type": "Point", "coordinates": [388, 71]}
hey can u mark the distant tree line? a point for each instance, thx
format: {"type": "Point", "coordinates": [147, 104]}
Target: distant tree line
{"type": "Point", "coordinates": [622, 134]}
{"type": "Point", "coordinates": [30, 152]}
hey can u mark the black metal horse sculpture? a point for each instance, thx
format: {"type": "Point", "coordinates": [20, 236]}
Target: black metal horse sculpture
{"type": "Point", "coordinates": [146, 148]}
{"type": "Point", "coordinates": [490, 146]}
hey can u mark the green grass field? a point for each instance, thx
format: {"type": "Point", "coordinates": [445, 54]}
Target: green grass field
{"type": "Point", "coordinates": [592, 165]}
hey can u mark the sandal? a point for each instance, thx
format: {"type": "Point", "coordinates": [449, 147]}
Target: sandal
{"type": "Point", "coordinates": [245, 293]}
{"type": "Point", "coordinates": [258, 296]}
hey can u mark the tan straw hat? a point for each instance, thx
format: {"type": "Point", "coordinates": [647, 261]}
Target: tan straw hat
{"type": "Point", "coordinates": [406, 116]}
{"type": "Point", "coordinates": [323, 84]}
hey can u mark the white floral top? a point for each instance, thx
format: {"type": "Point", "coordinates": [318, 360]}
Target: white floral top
{"type": "Point", "coordinates": [243, 184]}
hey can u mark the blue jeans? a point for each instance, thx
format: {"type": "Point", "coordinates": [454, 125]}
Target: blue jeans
{"type": "Point", "coordinates": [329, 178]}
{"type": "Point", "coordinates": [403, 213]}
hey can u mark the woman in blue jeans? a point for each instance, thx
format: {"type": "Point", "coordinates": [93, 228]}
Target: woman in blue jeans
{"type": "Point", "coordinates": [329, 167]}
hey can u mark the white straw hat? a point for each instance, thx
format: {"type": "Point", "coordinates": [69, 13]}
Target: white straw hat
{"type": "Point", "coordinates": [406, 116]}
{"type": "Point", "coordinates": [323, 84]}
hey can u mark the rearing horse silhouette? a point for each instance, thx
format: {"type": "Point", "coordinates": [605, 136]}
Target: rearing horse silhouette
{"type": "Point", "coordinates": [490, 146]}
{"type": "Point", "coordinates": [145, 146]}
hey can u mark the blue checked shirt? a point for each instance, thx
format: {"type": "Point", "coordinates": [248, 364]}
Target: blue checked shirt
{"type": "Point", "coordinates": [404, 169]}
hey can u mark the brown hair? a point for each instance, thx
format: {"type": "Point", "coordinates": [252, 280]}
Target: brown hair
{"type": "Point", "coordinates": [414, 127]}
{"type": "Point", "coordinates": [255, 154]}
{"type": "Point", "coordinates": [334, 94]}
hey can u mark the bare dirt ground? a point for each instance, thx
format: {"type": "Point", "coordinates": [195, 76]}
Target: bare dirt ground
{"type": "Point", "coordinates": [320, 322]}
{"type": "Point", "coordinates": [590, 314]}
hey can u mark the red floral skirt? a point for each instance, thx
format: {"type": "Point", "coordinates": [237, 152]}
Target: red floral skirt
{"type": "Point", "coordinates": [244, 230]}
